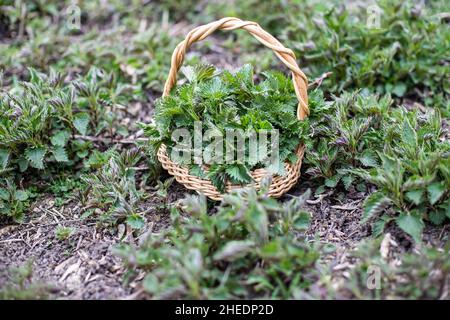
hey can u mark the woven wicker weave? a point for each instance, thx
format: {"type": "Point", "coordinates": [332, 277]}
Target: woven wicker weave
{"type": "Point", "coordinates": [280, 184]}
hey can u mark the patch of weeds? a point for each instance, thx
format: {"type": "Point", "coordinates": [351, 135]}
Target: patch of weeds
{"type": "Point", "coordinates": [20, 285]}
{"type": "Point", "coordinates": [396, 47]}
{"type": "Point", "coordinates": [66, 188]}
{"type": "Point", "coordinates": [113, 190]}
{"type": "Point", "coordinates": [63, 233]}
{"type": "Point", "coordinates": [359, 139]}
{"type": "Point", "coordinates": [413, 178]}
{"type": "Point", "coordinates": [14, 201]}
{"type": "Point", "coordinates": [418, 275]}
{"type": "Point", "coordinates": [253, 247]}
{"type": "Point", "coordinates": [345, 133]}
{"type": "Point", "coordinates": [43, 122]}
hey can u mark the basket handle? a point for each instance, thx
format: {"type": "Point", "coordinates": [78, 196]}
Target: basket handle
{"type": "Point", "coordinates": [287, 56]}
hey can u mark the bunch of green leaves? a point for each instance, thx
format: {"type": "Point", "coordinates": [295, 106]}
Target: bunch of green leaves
{"type": "Point", "coordinates": [396, 47]}
{"type": "Point", "coordinates": [43, 121]}
{"type": "Point", "coordinates": [225, 101]}
{"type": "Point", "coordinates": [64, 188]}
{"type": "Point", "coordinates": [113, 190]}
{"type": "Point", "coordinates": [413, 177]}
{"type": "Point", "coordinates": [359, 139]}
{"type": "Point", "coordinates": [252, 247]}
{"type": "Point", "coordinates": [406, 51]}
{"type": "Point", "coordinates": [14, 201]}
{"type": "Point", "coordinates": [423, 274]}
{"type": "Point", "coordinates": [345, 134]}
{"type": "Point", "coordinates": [133, 47]}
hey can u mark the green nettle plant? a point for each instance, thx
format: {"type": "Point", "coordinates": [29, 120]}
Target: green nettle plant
{"type": "Point", "coordinates": [405, 55]}
{"type": "Point", "coordinates": [413, 177]}
{"type": "Point", "coordinates": [13, 200]}
{"type": "Point", "coordinates": [395, 46]}
{"type": "Point", "coordinates": [358, 139]}
{"type": "Point", "coordinates": [345, 134]}
{"type": "Point", "coordinates": [43, 121]}
{"type": "Point", "coordinates": [224, 101]}
{"type": "Point", "coordinates": [113, 190]}
{"type": "Point", "coordinates": [253, 247]}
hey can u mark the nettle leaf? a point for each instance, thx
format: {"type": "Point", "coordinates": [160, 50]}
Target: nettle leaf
{"type": "Point", "coordinates": [35, 157]}
{"type": "Point", "coordinates": [368, 158]}
{"type": "Point", "coordinates": [4, 194]}
{"type": "Point", "coordinates": [374, 204]}
{"type": "Point", "coordinates": [81, 122]}
{"type": "Point", "coordinates": [412, 225]}
{"type": "Point", "coordinates": [4, 158]}
{"type": "Point", "coordinates": [347, 180]}
{"type": "Point", "coordinates": [23, 164]}
{"type": "Point", "coordinates": [189, 73]}
{"type": "Point", "coordinates": [409, 135]}
{"type": "Point", "coordinates": [379, 225]}
{"type": "Point", "coordinates": [415, 196]}
{"type": "Point", "coordinates": [135, 221]}
{"type": "Point", "coordinates": [239, 174]}
{"type": "Point", "coordinates": [197, 170]}
{"type": "Point", "coordinates": [332, 182]}
{"type": "Point", "coordinates": [60, 154]}
{"type": "Point", "coordinates": [435, 191]}
{"type": "Point", "coordinates": [437, 217]}
{"type": "Point", "coordinates": [60, 139]}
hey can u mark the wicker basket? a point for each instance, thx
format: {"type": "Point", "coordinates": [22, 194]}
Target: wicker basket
{"type": "Point", "coordinates": [279, 184]}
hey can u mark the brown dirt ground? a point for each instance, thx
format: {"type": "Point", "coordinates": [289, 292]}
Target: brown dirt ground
{"type": "Point", "coordinates": [84, 266]}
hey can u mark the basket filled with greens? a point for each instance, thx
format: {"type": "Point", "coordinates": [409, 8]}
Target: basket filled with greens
{"type": "Point", "coordinates": [220, 130]}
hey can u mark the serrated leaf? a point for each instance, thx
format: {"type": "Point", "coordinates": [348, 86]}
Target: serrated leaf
{"type": "Point", "coordinates": [399, 89]}
{"type": "Point", "coordinates": [332, 182]}
{"type": "Point", "coordinates": [151, 283]}
{"type": "Point", "coordinates": [60, 154]}
{"type": "Point", "coordinates": [446, 208]}
{"type": "Point", "coordinates": [4, 194]}
{"type": "Point", "coordinates": [437, 217]}
{"type": "Point", "coordinates": [197, 170]}
{"type": "Point", "coordinates": [378, 226]}
{"type": "Point", "coordinates": [374, 204]}
{"type": "Point", "coordinates": [81, 122]}
{"type": "Point", "coordinates": [412, 225]}
{"type": "Point", "coordinates": [23, 164]}
{"type": "Point", "coordinates": [239, 174]}
{"type": "Point", "coordinates": [135, 221]}
{"type": "Point", "coordinates": [415, 196]}
{"type": "Point", "coordinates": [4, 158]}
{"type": "Point", "coordinates": [409, 135]}
{"type": "Point", "coordinates": [189, 73]}
{"type": "Point", "coordinates": [35, 156]}
{"type": "Point", "coordinates": [60, 138]}
{"type": "Point", "coordinates": [435, 191]}
{"type": "Point", "coordinates": [347, 180]}
{"type": "Point", "coordinates": [368, 159]}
